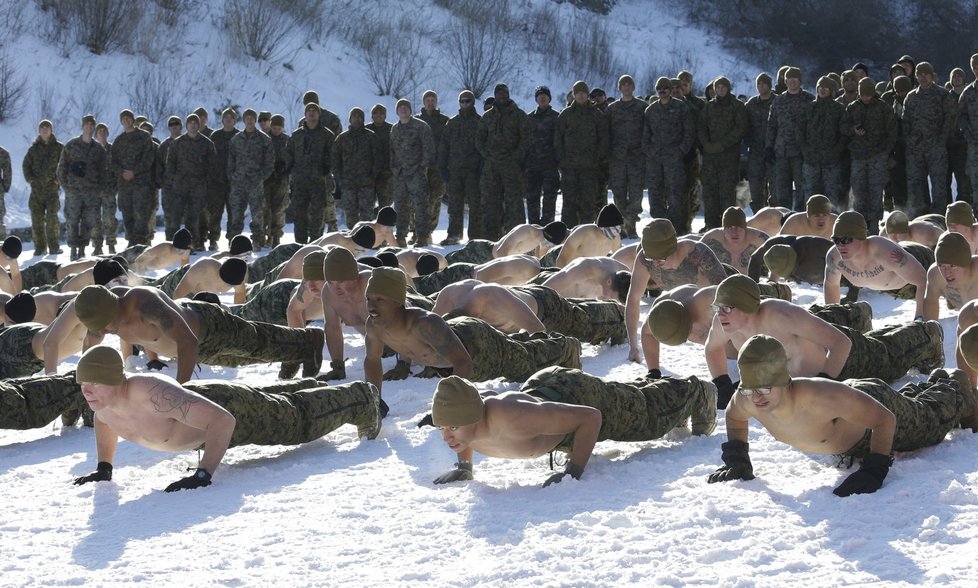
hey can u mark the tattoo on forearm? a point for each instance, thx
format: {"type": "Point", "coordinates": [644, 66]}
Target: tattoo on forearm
{"type": "Point", "coordinates": [166, 400]}
{"type": "Point", "coordinates": [155, 310]}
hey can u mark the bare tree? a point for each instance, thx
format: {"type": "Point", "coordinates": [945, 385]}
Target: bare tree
{"type": "Point", "coordinates": [260, 28]}
{"type": "Point", "coordinates": [480, 54]}
{"type": "Point", "coordinates": [152, 94]}
{"type": "Point", "coordinates": [12, 84]}
{"type": "Point", "coordinates": [396, 56]}
{"type": "Point", "coordinates": [101, 25]}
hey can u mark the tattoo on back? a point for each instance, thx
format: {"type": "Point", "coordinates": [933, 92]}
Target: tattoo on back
{"type": "Point", "coordinates": [166, 400]}
{"type": "Point", "coordinates": [155, 310]}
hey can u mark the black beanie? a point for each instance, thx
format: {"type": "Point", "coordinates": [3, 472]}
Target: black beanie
{"type": "Point", "coordinates": [861, 66]}
{"type": "Point", "coordinates": [106, 270]}
{"type": "Point", "coordinates": [542, 90]}
{"type": "Point", "coordinates": [427, 264]}
{"type": "Point", "coordinates": [233, 271]}
{"type": "Point", "coordinates": [371, 261]}
{"type": "Point", "coordinates": [181, 239]}
{"type": "Point", "coordinates": [12, 247]}
{"type": "Point", "coordinates": [388, 259]}
{"type": "Point", "coordinates": [364, 237]}
{"type": "Point", "coordinates": [206, 297]}
{"type": "Point", "coordinates": [555, 232]}
{"type": "Point", "coordinates": [609, 216]}
{"type": "Point", "coordinates": [121, 261]}
{"type": "Point", "coordinates": [387, 216]}
{"type": "Point", "coordinates": [21, 308]}
{"type": "Point", "coordinates": [241, 244]}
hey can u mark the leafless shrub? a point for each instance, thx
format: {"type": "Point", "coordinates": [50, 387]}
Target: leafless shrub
{"type": "Point", "coordinates": [396, 55]}
{"type": "Point", "coordinates": [11, 89]}
{"type": "Point", "coordinates": [46, 106]}
{"type": "Point", "coordinates": [590, 53]}
{"type": "Point", "coordinates": [172, 11]}
{"type": "Point", "coordinates": [101, 25]}
{"type": "Point", "coordinates": [153, 95]}
{"type": "Point", "coordinates": [669, 63]}
{"type": "Point", "coordinates": [12, 22]}
{"type": "Point", "coordinates": [480, 54]}
{"type": "Point", "coordinates": [260, 28]}
{"type": "Point", "coordinates": [89, 99]}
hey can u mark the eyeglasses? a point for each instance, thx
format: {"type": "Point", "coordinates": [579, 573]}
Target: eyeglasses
{"type": "Point", "coordinates": [752, 391]}
{"type": "Point", "coordinates": [842, 240]}
{"type": "Point", "coordinates": [724, 308]}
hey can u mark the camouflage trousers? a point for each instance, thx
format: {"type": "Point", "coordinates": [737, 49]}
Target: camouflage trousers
{"type": "Point", "coordinates": [550, 258]}
{"type": "Point", "coordinates": [772, 290]}
{"type": "Point", "coordinates": [643, 411]}
{"type": "Point", "coordinates": [17, 358]}
{"type": "Point", "coordinates": [824, 179]}
{"type": "Point", "coordinates": [358, 203]}
{"type": "Point", "coordinates": [578, 186]}
{"type": "Point", "coordinates": [269, 304]}
{"type": "Point", "coordinates": [108, 225]}
{"type": "Point", "coordinates": [419, 301]}
{"type": "Point", "coordinates": [925, 412]}
{"type": "Point", "coordinates": [789, 183]}
{"type": "Point", "coordinates": [888, 353]}
{"type": "Point", "coordinates": [463, 188]}
{"type": "Point", "coordinates": [474, 251]}
{"type": "Point", "coordinates": [869, 177]}
{"type": "Point", "coordinates": [275, 200]}
{"type": "Point", "coordinates": [411, 203]}
{"type": "Point", "coordinates": [258, 268]}
{"type": "Point", "coordinates": [758, 178]}
{"type": "Point", "coordinates": [138, 205]}
{"type": "Point", "coordinates": [720, 174]}
{"type": "Point", "coordinates": [30, 403]}
{"type": "Point", "coordinates": [972, 169]}
{"type": "Point", "coordinates": [895, 194]}
{"type": "Point", "coordinates": [384, 189]}
{"type": "Point", "coordinates": [312, 207]}
{"type": "Point", "coordinates": [182, 207]}
{"type": "Point", "coordinates": [131, 253]}
{"type": "Point", "coordinates": [290, 413]}
{"type": "Point", "coordinates": [502, 197]}
{"type": "Point", "coordinates": [957, 166]}
{"type": "Point", "coordinates": [81, 214]}
{"type": "Point", "coordinates": [226, 340]}
{"type": "Point", "coordinates": [436, 192]}
{"type": "Point", "coordinates": [626, 179]}
{"type": "Point", "coordinates": [218, 193]}
{"type": "Point", "coordinates": [42, 273]}
{"type": "Point", "coordinates": [665, 177]}
{"type": "Point", "coordinates": [541, 195]}
{"type": "Point", "coordinates": [434, 282]}
{"type": "Point", "coordinates": [590, 321]}
{"type": "Point", "coordinates": [3, 215]}
{"type": "Point", "coordinates": [925, 163]}
{"type": "Point", "coordinates": [167, 197]}
{"type": "Point", "coordinates": [515, 357]}
{"type": "Point", "coordinates": [44, 204]}
{"type": "Point", "coordinates": [692, 187]}
{"type": "Point", "coordinates": [168, 282]}
{"type": "Point", "coordinates": [858, 317]}
{"type": "Point", "coordinates": [244, 196]}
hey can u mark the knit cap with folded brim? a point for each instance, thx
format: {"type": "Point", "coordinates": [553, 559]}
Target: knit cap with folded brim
{"type": "Point", "coordinates": [609, 216]}
{"type": "Point", "coordinates": [818, 204]}
{"type": "Point", "coordinates": [734, 217]}
{"type": "Point", "coordinates": [763, 363]}
{"type": "Point", "coordinates": [897, 223]}
{"type": "Point", "coordinates": [96, 307]}
{"type": "Point", "coordinates": [670, 322]}
{"type": "Point", "coordinates": [740, 292]}
{"type": "Point", "coordinates": [953, 249]}
{"type": "Point", "coordinates": [456, 403]}
{"type": "Point", "coordinates": [312, 266]}
{"type": "Point", "coordinates": [659, 239]}
{"type": "Point", "coordinates": [781, 260]}
{"type": "Point", "coordinates": [100, 365]}
{"type": "Point", "coordinates": [959, 213]}
{"type": "Point", "coordinates": [339, 265]}
{"type": "Point", "coordinates": [850, 224]}
{"type": "Point", "coordinates": [389, 283]}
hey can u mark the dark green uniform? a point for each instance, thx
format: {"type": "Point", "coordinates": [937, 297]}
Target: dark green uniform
{"type": "Point", "coordinates": [107, 227]}
{"type": "Point", "coordinates": [888, 353]}
{"type": "Point", "coordinates": [870, 154]}
{"type": "Point", "coordinates": [436, 121]}
{"type": "Point", "coordinates": [313, 206]}
{"type": "Point", "coordinates": [929, 119]}
{"type": "Point", "coordinates": [81, 172]}
{"type": "Point", "coordinates": [581, 143]}
{"type": "Point", "coordinates": [136, 152]}
{"type": "Point", "coordinates": [190, 165]}
{"type": "Point", "coordinates": [40, 170]}
{"type": "Point", "coordinates": [474, 251]}
{"type": "Point", "coordinates": [722, 124]}
{"type": "Point", "coordinates": [219, 188]}
{"type": "Point", "coordinates": [758, 169]}
{"type": "Point", "coordinates": [382, 181]}
{"type": "Point", "coordinates": [784, 136]}
{"type": "Point", "coordinates": [434, 282]}
{"type": "Point", "coordinates": [259, 268]}
{"type": "Point", "coordinates": [269, 304]}
{"type": "Point", "coordinates": [502, 139]}
{"type": "Point", "coordinates": [356, 158]}
{"type": "Point", "coordinates": [276, 192]}
{"type": "Point", "coordinates": [463, 162]}
{"type": "Point", "coordinates": [591, 321]}
{"type": "Point", "coordinates": [627, 165]}
{"type": "Point", "coordinates": [667, 136]}
{"type": "Point", "coordinates": [823, 144]}
{"type": "Point", "coordinates": [17, 357]}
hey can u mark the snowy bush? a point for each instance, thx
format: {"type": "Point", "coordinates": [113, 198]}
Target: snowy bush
{"type": "Point", "coordinates": [396, 55]}
{"type": "Point", "coordinates": [480, 54]}
{"type": "Point", "coordinates": [11, 89]}
{"type": "Point", "coordinates": [260, 28]}
{"type": "Point", "coordinates": [153, 94]}
{"type": "Point", "coordinates": [101, 25]}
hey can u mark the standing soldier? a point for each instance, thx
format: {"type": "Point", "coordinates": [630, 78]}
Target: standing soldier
{"type": "Point", "coordinates": [5, 180]}
{"type": "Point", "coordinates": [437, 176]}
{"type": "Point", "coordinates": [895, 194]}
{"type": "Point", "coordinates": [541, 163]}
{"type": "Point", "coordinates": [190, 164]}
{"type": "Point", "coordinates": [205, 130]}
{"type": "Point", "coordinates": [107, 226]}
{"type": "Point", "coordinates": [462, 161]}
{"type": "Point", "coordinates": [355, 160]}
{"type": "Point", "coordinates": [502, 140]}
{"type": "Point", "coordinates": [133, 153]}
{"type": "Point", "coordinates": [758, 170]}
{"type": "Point", "coordinates": [331, 121]}
{"type": "Point", "coordinates": [692, 161]}
{"type": "Point", "coordinates": [723, 122]}
{"type": "Point", "coordinates": [667, 134]}
{"type": "Point", "coordinates": [627, 167]}
{"type": "Point", "coordinates": [969, 128]}
{"type": "Point", "coordinates": [957, 147]}
{"type": "Point", "coordinates": [929, 118]}
{"type": "Point", "coordinates": [850, 88]}
{"type": "Point", "coordinates": [412, 151]}
{"type": "Point", "coordinates": [41, 172]}
{"type": "Point", "coordinates": [872, 128]}
{"type": "Point", "coordinates": [601, 103]}
{"type": "Point", "coordinates": [251, 159]}
{"type": "Point", "coordinates": [80, 170]}
{"type": "Point", "coordinates": [276, 198]}
{"type": "Point", "coordinates": [175, 126]}
{"type": "Point", "coordinates": [783, 145]}
{"type": "Point", "coordinates": [309, 153]}
{"type": "Point", "coordinates": [581, 142]}
{"type": "Point", "coordinates": [822, 146]}
{"type": "Point", "coordinates": [382, 130]}
{"type": "Point", "coordinates": [220, 185]}
{"type": "Point", "coordinates": [265, 122]}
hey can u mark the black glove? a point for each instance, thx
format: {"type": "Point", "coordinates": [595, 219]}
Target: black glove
{"type": "Point", "coordinates": [737, 460]}
{"type": "Point", "coordinates": [572, 468]}
{"type": "Point", "coordinates": [462, 471]}
{"type": "Point", "coordinates": [384, 409]}
{"type": "Point", "coordinates": [155, 365]}
{"type": "Point", "coordinates": [78, 168]}
{"type": "Point", "coordinates": [103, 473]}
{"type": "Point", "coordinates": [199, 479]}
{"type": "Point", "coordinates": [769, 156]}
{"type": "Point", "coordinates": [868, 479]}
{"type": "Point", "coordinates": [654, 374]}
{"type": "Point", "coordinates": [337, 371]}
{"type": "Point", "coordinates": [426, 421]}
{"type": "Point", "coordinates": [725, 390]}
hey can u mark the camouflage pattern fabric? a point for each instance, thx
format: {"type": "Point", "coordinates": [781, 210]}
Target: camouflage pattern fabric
{"type": "Point", "coordinates": [581, 143]}
{"type": "Point", "coordinates": [550, 258]}
{"type": "Point", "coordinates": [541, 195]}
{"type": "Point", "coordinates": [858, 317]}
{"type": "Point", "coordinates": [589, 321]}
{"type": "Point", "coordinates": [382, 181]}
{"type": "Point", "coordinates": [758, 170]}
{"type": "Point", "coordinates": [929, 120]}
{"type": "Point", "coordinates": [137, 202]}
{"type": "Point", "coordinates": [968, 123]}
{"type": "Point", "coordinates": [135, 151]}
{"type": "Point", "coordinates": [17, 357]}
{"type": "Point", "coordinates": [436, 121]}
{"type": "Point", "coordinates": [40, 170]}
{"type": "Point", "coordinates": [258, 268]}
{"type": "Point", "coordinates": [463, 162]}
{"type": "Point", "coordinates": [434, 282]}
{"type": "Point", "coordinates": [81, 215]}
{"type": "Point", "coordinates": [722, 124]}
{"type": "Point", "coordinates": [412, 151]}
{"type": "Point", "coordinates": [57, 286]}
{"type": "Point", "coordinates": [30, 403]}
{"type": "Point", "coordinates": [868, 177]}
{"type": "Point", "coordinates": [627, 162]}
{"type": "Point", "coordinates": [474, 251]}
{"type": "Point", "coordinates": [168, 282]}
{"type": "Point", "coordinates": [251, 159]}
{"type": "Point", "coordinates": [823, 145]}
{"type": "Point", "coordinates": [131, 253]}
{"type": "Point", "coordinates": [772, 290]}
{"type": "Point", "coordinates": [419, 301]}
{"type": "Point", "coordinates": [464, 189]}
{"type": "Point", "coordinates": [42, 273]}
{"type": "Point", "coordinates": [785, 135]}
{"type": "Point", "coordinates": [667, 136]}
{"type": "Point", "coordinates": [545, 273]}
{"type": "Point", "coordinates": [269, 304]}
{"type": "Point", "coordinates": [219, 186]}
{"type": "Point", "coordinates": [542, 180]}
{"type": "Point", "coordinates": [502, 138]}
{"type": "Point", "coordinates": [190, 162]}
{"type": "Point", "coordinates": [888, 353]}
{"type": "Point", "coordinates": [355, 161]}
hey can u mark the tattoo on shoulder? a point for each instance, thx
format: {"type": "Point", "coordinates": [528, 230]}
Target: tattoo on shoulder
{"type": "Point", "coordinates": [166, 400]}
{"type": "Point", "coordinates": [156, 310]}
{"type": "Point", "coordinates": [717, 247]}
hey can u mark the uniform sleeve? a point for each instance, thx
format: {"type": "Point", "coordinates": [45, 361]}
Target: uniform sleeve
{"type": "Point", "coordinates": [965, 115]}
{"type": "Point", "coordinates": [328, 152]}
{"type": "Point", "coordinates": [950, 116]}
{"type": "Point", "coordinates": [5, 172]}
{"type": "Point", "coordinates": [62, 170]}
{"type": "Point", "coordinates": [481, 138]}
{"type": "Point", "coordinates": [27, 166]}
{"type": "Point", "coordinates": [772, 126]}
{"type": "Point", "coordinates": [689, 130]}
{"type": "Point", "coordinates": [559, 127]}
{"type": "Point", "coordinates": [428, 153]}
{"type": "Point", "coordinates": [524, 136]}
{"type": "Point", "coordinates": [336, 158]}
{"type": "Point", "coordinates": [144, 165]}
{"type": "Point", "coordinates": [268, 162]}
{"type": "Point", "coordinates": [604, 135]}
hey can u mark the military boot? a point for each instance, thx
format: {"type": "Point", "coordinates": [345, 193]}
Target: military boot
{"type": "Point", "coordinates": [81, 252]}
{"type": "Point", "coordinates": [704, 417]}
{"type": "Point", "coordinates": [73, 256]}
{"type": "Point", "coordinates": [98, 248]}
{"type": "Point", "coordinates": [213, 245]}
{"type": "Point", "coordinates": [311, 367]}
{"type": "Point", "coordinates": [288, 370]}
{"type": "Point", "coordinates": [969, 412]}
{"type": "Point", "coordinates": [56, 250]}
{"type": "Point", "coordinates": [935, 334]}
{"type": "Point", "coordinates": [368, 426]}
{"type": "Point", "coordinates": [41, 250]}
{"type": "Point", "coordinates": [111, 248]}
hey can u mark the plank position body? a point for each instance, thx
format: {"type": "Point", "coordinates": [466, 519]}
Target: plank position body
{"type": "Point", "coordinates": [734, 242]}
{"type": "Point", "coordinates": [923, 230]}
{"type": "Point", "coordinates": [529, 239]}
{"type": "Point", "coordinates": [954, 276]}
{"type": "Point", "coordinates": [600, 238]}
{"type": "Point", "coordinates": [817, 220]}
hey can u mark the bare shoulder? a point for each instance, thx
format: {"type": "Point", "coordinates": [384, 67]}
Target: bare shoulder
{"type": "Point", "coordinates": [715, 234]}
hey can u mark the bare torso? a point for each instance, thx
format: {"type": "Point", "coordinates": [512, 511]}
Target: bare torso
{"type": "Point", "coordinates": [588, 241]}
{"type": "Point", "coordinates": [734, 252]}
{"type": "Point", "coordinates": [159, 256]}
{"type": "Point", "coordinates": [800, 223]}
{"type": "Point", "coordinates": [408, 260]}
{"type": "Point", "coordinates": [585, 277]}
{"type": "Point", "coordinates": [501, 440]}
{"type": "Point", "coordinates": [513, 270]}
{"type": "Point", "coordinates": [48, 304]}
{"type": "Point", "coordinates": [522, 239]}
{"type": "Point", "coordinates": [497, 305]}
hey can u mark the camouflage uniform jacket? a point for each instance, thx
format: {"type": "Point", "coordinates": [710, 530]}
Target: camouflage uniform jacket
{"type": "Point", "coordinates": [581, 136]}
{"type": "Point", "coordinates": [190, 160]}
{"type": "Point", "coordinates": [134, 151]}
{"type": "Point", "coordinates": [437, 121]}
{"type": "Point", "coordinates": [309, 151]}
{"type": "Point", "coordinates": [110, 179]}
{"type": "Point", "coordinates": [668, 130]}
{"type": "Point", "coordinates": [412, 147]}
{"type": "Point", "coordinates": [968, 113]}
{"type": "Point", "coordinates": [383, 134]}
{"type": "Point", "coordinates": [625, 122]}
{"type": "Point", "coordinates": [5, 171]}
{"type": "Point", "coordinates": [758, 110]}
{"type": "Point", "coordinates": [503, 134]}
{"type": "Point", "coordinates": [251, 157]}
{"type": "Point", "coordinates": [822, 136]}
{"type": "Point", "coordinates": [785, 122]}
{"type": "Point", "coordinates": [355, 157]}
{"type": "Point", "coordinates": [328, 119]}
{"type": "Point", "coordinates": [880, 124]}
{"type": "Point", "coordinates": [957, 136]}
{"type": "Point", "coordinates": [458, 150]}
{"type": "Point", "coordinates": [41, 163]}
{"type": "Point", "coordinates": [929, 117]}
{"type": "Point", "coordinates": [166, 182]}
{"type": "Point", "coordinates": [206, 131]}
{"type": "Point", "coordinates": [82, 165]}
{"type": "Point", "coordinates": [222, 144]}
{"type": "Point", "coordinates": [696, 106]}
{"type": "Point", "coordinates": [282, 164]}
{"type": "Point", "coordinates": [722, 125]}
{"type": "Point", "coordinates": [540, 153]}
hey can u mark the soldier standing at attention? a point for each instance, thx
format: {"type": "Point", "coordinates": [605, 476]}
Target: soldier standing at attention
{"type": "Point", "coordinates": [412, 151]}
{"type": "Point", "coordinates": [382, 130]}
{"type": "Point", "coordinates": [220, 186]}
{"type": "Point", "coordinates": [276, 198]}
{"type": "Point", "coordinates": [133, 153]}
{"type": "Point", "coordinates": [758, 169]}
{"type": "Point", "coordinates": [107, 226]}
{"type": "Point", "coordinates": [462, 161]}
{"type": "Point", "coordinates": [502, 140]}
{"type": "Point", "coordinates": [581, 142]}
{"type": "Point", "coordinates": [190, 163]}
{"type": "Point", "coordinates": [541, 162]}
{"type": "Point", "coordinates": [783, 145]}
{"type": "Point", "coordinates": [40, 171]}
{"type": "Point", "coordinates": [627, 169]}
{"type": "Point", "coordinates": [930, 116]}
{"type": "Point", "coordinates": [437, 176]}
{"type": "Point", "coordinates": [667, 135]}
{"type": "Point", "coordinates": [309, 153]}
{"type": "Point", "coordinates": [722, 124]}
{"type": "Point", "coordinates": [251, 159]}
{"type": "Point", "coordinates": [355, 158]}
{"type": "Point", "coordinates": [175, 126]}
{"type": "Point", "coordinates": [80, 171]}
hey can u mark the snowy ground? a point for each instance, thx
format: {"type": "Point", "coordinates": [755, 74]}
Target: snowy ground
{"type": "Point", "coordinates": [366, 513]}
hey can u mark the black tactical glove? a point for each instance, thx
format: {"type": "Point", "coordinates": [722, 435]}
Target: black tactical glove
{"type": "Point", "coordinates": [199, 479]}
{"type": "Point", "coordinates": [78, 168]}
{"type": "Point", "coordinates": [155, 365]}
{"type": "Point", "coordinates": [337, 371]}
{"type": "Point", "coordinates": [384, 409]}
{"type": "Point", "coordinates": [400, 371]}
{"type": "Point", "coordinates": [462, 471]}
{"type": "Point", "coordinates": [102, 473]}
{"type": "Point", "coordinates": [737, 460]}
{"type": "Point", "coordinates": [572, 468]}
{"type": "Point", "coordinates": [769, 156]}
{"type": "Point", "coordinates": [868, 479]}
{"type": "Point", "coordinates": [725, 390]}
{"type": "Point", "coordinates": [426, 421]}
{"type": "Point", "coordinates": [654, 374]}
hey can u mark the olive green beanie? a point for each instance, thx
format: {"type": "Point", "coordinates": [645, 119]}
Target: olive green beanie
{"type": "Point", "coordinates": [734, 216]}
{"type": "Point", "coordinates": [456, 403]}
{"type": "Point", "coordinates": [781, 260]}
{"type": "Point", "coordinates": [670, 322]}
{"type": "Point", "coordinates": [897, 222]}
{"type": "Point", "coordinates": [740, 292]}
{"type": "Point", "coordinates": [850, 224]}
{"type": "Point", "coordinates": [867, 87]}
{"type": "Point", "coordinates": [96, 307]}
{"type": "Point", "coordinates": [339, 265]}
{"type": "Point", "coordinates": [312, 266]}
{"type": "Point", "coordinates": [100, 365]}
{"type": "Point", "coordinates": [959, 213]}
{"type": "Point", "coordinates": [388, 282]}
{"type": "Point", "coordinates": [818, 204]}
{"type": "Point", "coordinates": [659, 239]}
{"type": "Point", "coordinates": [953, 249]}
{"type": "Point", "coordinates": [763, 363]}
